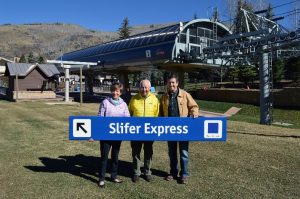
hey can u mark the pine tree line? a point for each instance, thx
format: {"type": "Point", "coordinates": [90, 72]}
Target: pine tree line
{"type": "Point", "coordinates": [31, 58]}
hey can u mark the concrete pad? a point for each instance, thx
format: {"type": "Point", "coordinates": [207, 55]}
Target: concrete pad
{"type": "Point", "coordinates": [62, 103]}
{"type": "Point", "coordinates": [282, 124]}
{"type": "Point", "coordinates": [211, 114]}
{"type": "Point", "coordinates": [230, 112]}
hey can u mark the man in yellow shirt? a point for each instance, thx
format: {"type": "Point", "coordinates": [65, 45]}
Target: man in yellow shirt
{"type": "Point", "coordinates": [143, 104]}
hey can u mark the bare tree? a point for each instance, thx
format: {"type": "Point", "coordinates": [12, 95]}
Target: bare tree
{"type": "Point", "coordinates": [258, 4]}
{"type": "Point", "coordinates": [232, 7]}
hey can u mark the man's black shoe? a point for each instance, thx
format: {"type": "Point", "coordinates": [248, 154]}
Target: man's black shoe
{"type": "Point", "coordinates": [148, 178]}
{"type": "Point", "coordinates": [135, 178]}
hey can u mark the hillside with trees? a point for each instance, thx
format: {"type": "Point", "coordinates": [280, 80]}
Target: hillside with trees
{"type": "Point", "coordinates": [51, 40]}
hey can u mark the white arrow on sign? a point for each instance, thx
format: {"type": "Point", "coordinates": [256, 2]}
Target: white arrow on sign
{"type": "Point", "coordinates": [82, 128]}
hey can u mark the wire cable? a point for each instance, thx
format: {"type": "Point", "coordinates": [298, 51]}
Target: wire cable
{"type": "Point", "coordinates": [295, 10]}
{"type": "Point", "coordinates": [284, 4]}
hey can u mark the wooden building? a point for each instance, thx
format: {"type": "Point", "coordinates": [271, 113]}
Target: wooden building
{"type": "Point", "coordinates": [31, 81]}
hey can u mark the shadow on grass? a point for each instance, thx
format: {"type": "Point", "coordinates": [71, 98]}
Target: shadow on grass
{"type": "Point", "coordinates": [265, 135]}
{"type": "Point", "coordinates": [84, 166]}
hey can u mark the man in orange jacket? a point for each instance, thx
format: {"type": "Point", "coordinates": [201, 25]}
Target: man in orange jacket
{"type": "Point", "coordinates": [178, 103]}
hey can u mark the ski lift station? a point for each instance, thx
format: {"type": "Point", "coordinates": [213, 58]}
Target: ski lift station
{"type": "Point", "coordinates": [189, 46]}
{"type": "Point", "coordinates": [176, 47]}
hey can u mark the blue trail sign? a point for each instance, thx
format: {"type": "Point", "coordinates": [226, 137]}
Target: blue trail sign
{"type": "Point", "coordinates": [147, 128]}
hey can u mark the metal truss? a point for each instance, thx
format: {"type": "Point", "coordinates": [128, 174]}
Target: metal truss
{"type": "Point", "coordinates": [261, 41]}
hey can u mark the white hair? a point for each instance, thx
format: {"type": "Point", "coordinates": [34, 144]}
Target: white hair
{"type": "Point", "coordinates": [145, 82]}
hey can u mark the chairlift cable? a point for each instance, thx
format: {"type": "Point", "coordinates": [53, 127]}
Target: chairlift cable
{"type": "Point", "coordinates": [284, 4]}
{"type": "Point", "coordinates": [295, 10]}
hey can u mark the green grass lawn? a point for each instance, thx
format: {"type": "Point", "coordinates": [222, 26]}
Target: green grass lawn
{"type": "Point", "coordinates": [38, 161]}
{"type": "Point", "coordinates": [251, 113]}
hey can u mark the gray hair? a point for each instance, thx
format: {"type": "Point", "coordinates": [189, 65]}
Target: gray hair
{"type": "Point", "coordinates": [145, 81]}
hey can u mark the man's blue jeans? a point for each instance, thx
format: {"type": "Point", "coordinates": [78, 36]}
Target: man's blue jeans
{"type": "Point", "coordinates": [184, 157]}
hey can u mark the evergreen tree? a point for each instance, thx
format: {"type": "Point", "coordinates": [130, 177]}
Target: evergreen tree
{"type": "Point", "coordinates": [293, 68]}
{"type": "Point", "coordinates": [195, 16]}
{"type": "Point", "coordinates": [232, 74]}
{"type": "Point", "coordinates": [23, 59]}
{"type": "Point", "coordinates": [186, 78]}
{"type": "Point", "coordinates": [125, 30]}
{"type": "Point", "coordinates": [247, 74]}
{"type": "Point", "coordinates": [239, 20]}
{"type": "Point", "coordinates": [278, 70]}
{"type": "Point", "coordinates": [41, 60]}
{"type": "Point", "coordinates": [215, 16]}
{"type": "Point", "coordinates": [269, 15]}
{"type": "Point", "coordinates": [31, 58]}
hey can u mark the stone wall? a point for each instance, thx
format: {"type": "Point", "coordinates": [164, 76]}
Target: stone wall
{"type": "Point", "coordinates": [34, 95]}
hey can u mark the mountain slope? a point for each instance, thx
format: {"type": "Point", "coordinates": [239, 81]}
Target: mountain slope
{"type": "Point", "coordinates": [51, 40]}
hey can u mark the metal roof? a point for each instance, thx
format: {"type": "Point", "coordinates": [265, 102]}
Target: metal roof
{"type": "Point", "coordinates": [6, 59]}
{"type": "Point", "coordinates": [49, 69]}
{"type": "Point", "coordinates": [154, 48]}
{"type": "Point", "coordinates": [157, 36]}
{"type": "Point", "coordinates": [23, 69]}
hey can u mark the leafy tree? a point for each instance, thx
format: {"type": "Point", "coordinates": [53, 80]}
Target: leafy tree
{"type": "Point", "coordinates": [156, 77]}
{"type": "Point", "coordinates": [146, 75]}
{"type": "Point", "coordinates": [23, 59]}
{"type": "Point", "coordinates": [125, 29]}
{"type": "Point", "coordinates": [31, 58]}
{"type": "Point", "coordinates": [278, 70]}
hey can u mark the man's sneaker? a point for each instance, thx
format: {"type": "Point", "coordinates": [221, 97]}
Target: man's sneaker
{"type": "Point", "coordinates": [117, 180]}
{"type": "Point", "coordinates": [101, 184]}
{"type": "Point", "coordinates": [148, 178]}
{"type": "Point", "coordinates": [183, 180]}
{"type": "Point", "coordinates": [135, 178]}
{"type": "Point", "coordinates": [169, 178]}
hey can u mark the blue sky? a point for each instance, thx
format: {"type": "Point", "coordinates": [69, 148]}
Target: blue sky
{"type": "Point", "coordinates": [107, 15]}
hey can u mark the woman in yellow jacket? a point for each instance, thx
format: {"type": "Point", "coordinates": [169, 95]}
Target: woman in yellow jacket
{"type": "Point", "coordinates": [143, 104]}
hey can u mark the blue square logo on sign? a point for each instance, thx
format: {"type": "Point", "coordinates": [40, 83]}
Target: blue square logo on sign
{"type": "Point", "coordinates": [212, 129]}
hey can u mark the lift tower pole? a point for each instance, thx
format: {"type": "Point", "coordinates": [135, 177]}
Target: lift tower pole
{"type": "Point", "coordinates": [264, 85]}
